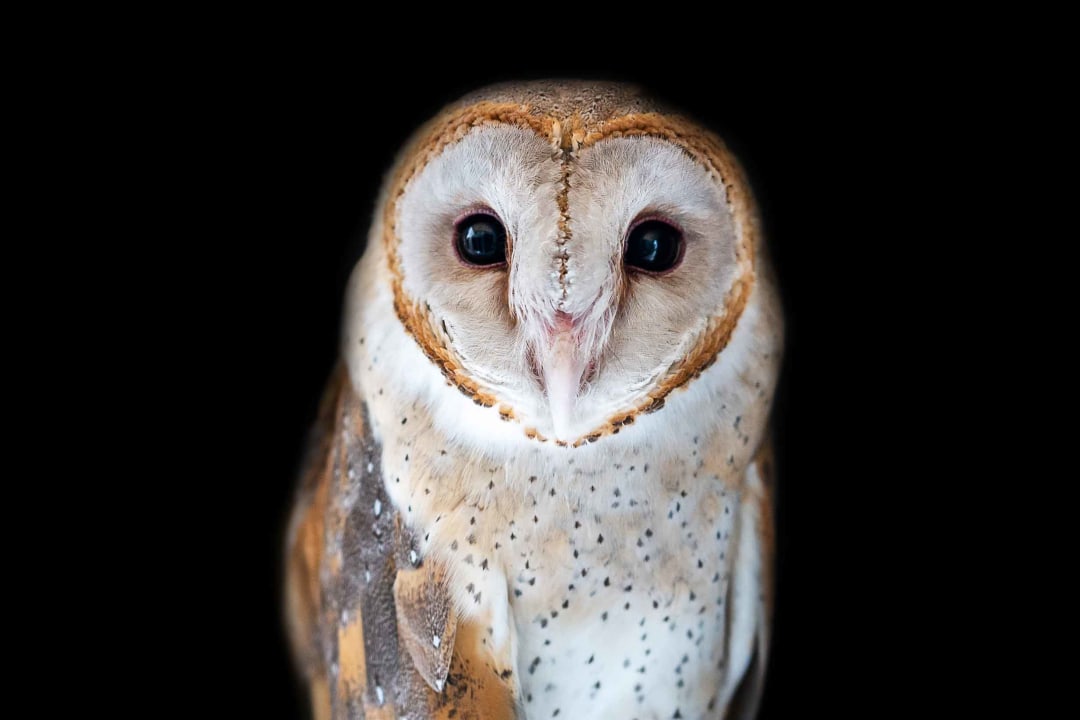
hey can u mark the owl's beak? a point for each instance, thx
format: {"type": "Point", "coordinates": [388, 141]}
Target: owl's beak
{"type": "Point", "coordinates": [562, 365]}
{"type": "Point", "coordinates": [562, 377]}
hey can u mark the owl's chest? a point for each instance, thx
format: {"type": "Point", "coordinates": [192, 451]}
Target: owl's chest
{"type": "Point", "coordinates": [611, 578]}
{"type": "Point", "coordinates": [620, 602]}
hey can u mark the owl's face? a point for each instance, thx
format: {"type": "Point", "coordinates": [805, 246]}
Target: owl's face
{"type": "Point", "coordinates": [568, 274]}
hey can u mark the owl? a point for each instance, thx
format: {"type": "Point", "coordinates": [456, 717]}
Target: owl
{"type": "Point", "coordinates": [539, 485]}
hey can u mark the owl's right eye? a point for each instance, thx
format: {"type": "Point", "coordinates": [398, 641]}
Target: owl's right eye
{"type": "Point", "coordinates": [481, 240]}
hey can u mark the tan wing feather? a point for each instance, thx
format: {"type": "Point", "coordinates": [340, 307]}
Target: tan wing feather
{"type": "Point", "coordinates": [362, 608]}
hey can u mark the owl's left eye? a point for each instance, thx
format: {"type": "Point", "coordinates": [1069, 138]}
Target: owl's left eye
{"type": "Point", "coordinates": [481, 240]}
{"type": "Point", "coordinates": [653, 246]}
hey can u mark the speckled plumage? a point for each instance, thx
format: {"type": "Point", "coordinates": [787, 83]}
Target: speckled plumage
{"type": "Point", "coordinates": [466, 544]}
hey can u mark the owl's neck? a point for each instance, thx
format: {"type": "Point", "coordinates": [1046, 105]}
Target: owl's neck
{"type": "Point", "coordinates": [430, 470]}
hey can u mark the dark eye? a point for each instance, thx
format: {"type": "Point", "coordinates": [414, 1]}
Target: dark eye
{"type": "Point", "coordinates": [653, 246]}
{"type": "Point", "coordinates": [481, 240]}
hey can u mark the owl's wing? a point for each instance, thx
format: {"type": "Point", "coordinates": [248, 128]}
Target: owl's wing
{"type": "Point", "coordinates": [753, 588]}
{"type": "Point", "coordinates": [305, 547]}
{"type": "Point", "coordinates": [372, 623]}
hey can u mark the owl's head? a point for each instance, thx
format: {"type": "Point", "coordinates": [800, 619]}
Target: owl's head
{"type": "Point", "coordinates": [565, 254]}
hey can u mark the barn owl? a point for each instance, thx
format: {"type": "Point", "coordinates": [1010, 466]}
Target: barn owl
{"type": "Point", "coordinates": [539, 483]}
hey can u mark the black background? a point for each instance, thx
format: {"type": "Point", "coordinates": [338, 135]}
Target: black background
{"type": "Point", "coordinates": [279, 162]}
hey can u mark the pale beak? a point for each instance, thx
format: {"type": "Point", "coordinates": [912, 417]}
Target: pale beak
{"type": "Point", "coordinates": [563, 366]}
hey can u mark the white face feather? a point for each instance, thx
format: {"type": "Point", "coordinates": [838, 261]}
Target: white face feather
{"type": "Point", "coordinates": [565, 335]}
{"type": "Point", "coordinates": [513, 173]}
{"type": "Point", "coordinates": [642, 331]}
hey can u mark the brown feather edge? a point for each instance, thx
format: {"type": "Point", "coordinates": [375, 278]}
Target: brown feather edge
{"type": "Point", "coordinates": [702, 146]}
{"type": "Point", "coordinates": [564, 139]}
{"type": "Point", "coordinates": [304, 545]}
{"type": "Point", "coordinates": [766, 462]}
